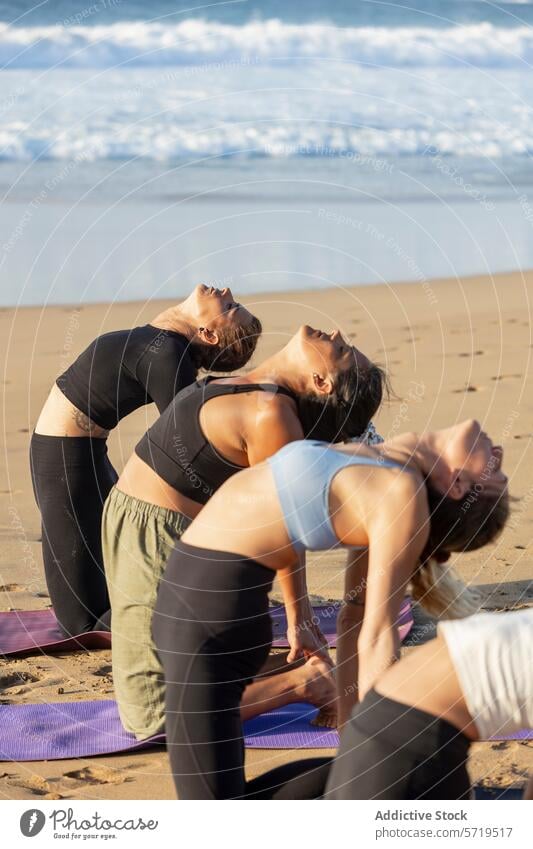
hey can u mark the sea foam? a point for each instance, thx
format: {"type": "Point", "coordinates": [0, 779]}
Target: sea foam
{"type": "Point", "coordinates": [195, 41]}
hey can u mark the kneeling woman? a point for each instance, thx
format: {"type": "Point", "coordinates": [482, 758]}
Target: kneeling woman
{"type": "Point", "coordinates": [410, 737]}
{"type": "Point", "coordinates": [118, 373]}
{"type": "Point", "coordinates": [316, 384]}
{"type": "Point", "coordinates": [403, 500]}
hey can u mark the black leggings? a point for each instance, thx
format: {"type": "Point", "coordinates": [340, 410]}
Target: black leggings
{"type": "Point", "coordinates": [71, 478]}
{"type": "Point", "coordinates": [213, 634]}
{"type": "Point", "coordinates": [392, 751]}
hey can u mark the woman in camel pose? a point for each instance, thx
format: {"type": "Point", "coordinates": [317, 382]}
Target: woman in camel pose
{"type": "Point", "coordinates": [316, 385]}
{"type": "Point", "coordinates": [115, 375]}
{"type": "Point", "coordinates": [403, 500]}
{"type": "Point", "coordinates": [410, 736]}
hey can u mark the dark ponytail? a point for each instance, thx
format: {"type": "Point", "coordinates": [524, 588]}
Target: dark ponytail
{"type": "Point", "coordinates": [347, 411]}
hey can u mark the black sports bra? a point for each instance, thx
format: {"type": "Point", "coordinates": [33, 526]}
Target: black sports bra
{"type": "Point", "coordinates": [176, 448]}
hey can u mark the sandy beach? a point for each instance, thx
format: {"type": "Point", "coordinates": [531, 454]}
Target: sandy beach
{"type": "Point", "coordinates": [454, 349]}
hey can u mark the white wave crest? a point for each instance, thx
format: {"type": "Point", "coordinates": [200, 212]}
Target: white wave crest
{"type": "Point", "coordinates": [194, 42]}
{"type": "Point", "coordinates": [164, 142]}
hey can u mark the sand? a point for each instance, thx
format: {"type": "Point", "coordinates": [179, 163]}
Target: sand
{"type": "Point", "coordinates": [454, 349]}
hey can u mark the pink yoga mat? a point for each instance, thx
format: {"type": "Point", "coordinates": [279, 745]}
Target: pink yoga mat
{"type": "Point", "coordinates": [32, 631]}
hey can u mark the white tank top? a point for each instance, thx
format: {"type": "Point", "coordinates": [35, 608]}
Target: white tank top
{"type": "Point", "coordinates": [493, 657]}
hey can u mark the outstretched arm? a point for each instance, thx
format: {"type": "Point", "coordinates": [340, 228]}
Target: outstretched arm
{"type": "Point", "coordinates": [397, 534]}
{"type": "Point", "coordinates": [275, 425]}
{"type": "Point", "coordinates": [349, 623]}
{"type": "Point", "coordinates": [303, 634]}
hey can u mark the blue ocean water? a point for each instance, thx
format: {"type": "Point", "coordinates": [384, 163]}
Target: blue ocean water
{"type": "Point", "coordinates": [261, 123]}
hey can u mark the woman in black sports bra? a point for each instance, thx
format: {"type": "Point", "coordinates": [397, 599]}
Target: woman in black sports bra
{"type": "Point", "coordinates": [118, 373]}
{"type": "Point", "coordinates": [318, 386]}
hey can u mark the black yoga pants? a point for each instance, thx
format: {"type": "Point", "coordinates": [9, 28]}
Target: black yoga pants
{"type": "Point", "coordinates": [213, 634]}
{"type": "Point", "coordinates": [72, 477]}
{"type": "Point", "coordinates": [392, 751]}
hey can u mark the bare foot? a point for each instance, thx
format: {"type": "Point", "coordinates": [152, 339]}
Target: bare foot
{"type": "Point", "coordinates": [318, 687]}
{"type": "Point", "coordinates": [326, 717]}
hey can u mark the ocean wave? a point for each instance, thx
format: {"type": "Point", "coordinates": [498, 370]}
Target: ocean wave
{"type": "Point", "coordinates": [291, 140]}
{"type": "Point", "coordinates": [196, 42]}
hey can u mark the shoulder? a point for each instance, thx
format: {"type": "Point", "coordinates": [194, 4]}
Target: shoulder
{"type": "Point", "coordinates": [272, 407]}
{"type": "Point", "coordinates": [170, 348]}
{"type": "Point", "coordinates": [271, 423]}
{"type": "Point", "coordinates": [402, 496]}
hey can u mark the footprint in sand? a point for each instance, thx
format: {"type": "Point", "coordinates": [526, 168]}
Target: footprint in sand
{"type": "Point", "coordinates": [37, 785]}
{"type": "Point", "coordinates": [471, 354]}
{"type": "Point", "coordinates": [15, 679]}
{"type": "Point", "coordinates": [98, 775]}
{"type": "Point", "coordinates": [467, 388]}
{"type": "Point", "coordinates": [506, 376]}
{"type": "Point", "coordinates": [12, 588]}
{"type": "Point", "coordinates": [103, 671]}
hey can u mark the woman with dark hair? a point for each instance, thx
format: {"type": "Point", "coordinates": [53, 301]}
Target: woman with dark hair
{"type": "Point", "coordinates": [118, 373]}
{"type": "Point", "coordinates": [211, 624]}
{"type": "Point", "coordinates": [317, 384]}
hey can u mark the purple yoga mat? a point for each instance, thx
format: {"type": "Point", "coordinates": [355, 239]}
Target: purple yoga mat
{"type": "Point", "coordinates": [85, 729]}
{"type": "Point", "coordinates": [289, 728]}
{"type": "Point", "coordinates": [30, 631]}
{"type": "Point", "coordinates": [64, 730]}
{"type": "Point", "coordinates": [326, 618]}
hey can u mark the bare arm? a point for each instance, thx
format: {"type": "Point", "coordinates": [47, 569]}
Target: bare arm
{"type": "Point", "coordinates": [397, 535]}
{"type": "Point", "coordinates": [275, 425]}
{"type": "Point", "coordinates": [304, 637]}
{"type": "Point", "coordinates": [349, 623]}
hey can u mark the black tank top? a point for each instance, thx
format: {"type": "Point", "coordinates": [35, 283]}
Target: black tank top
{"type": "Point", "coordinates": [127, 369]}
{"type": "Point", "coordinates": [176, 448]}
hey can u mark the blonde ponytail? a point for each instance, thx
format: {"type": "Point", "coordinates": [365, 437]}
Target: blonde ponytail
{"type": "Point", "coordinates": [440, 591]}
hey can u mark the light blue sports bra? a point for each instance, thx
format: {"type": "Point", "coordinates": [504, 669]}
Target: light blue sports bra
{"type": "Point", "coordinates": [303, 472]}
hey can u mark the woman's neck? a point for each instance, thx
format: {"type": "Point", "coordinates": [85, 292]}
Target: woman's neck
{"type": "Point", "coordinates": [413, 449]}
{"type": "Point", "coordinates": [175, 320]}
{"type": "Point", "coordinates": [276, 369]}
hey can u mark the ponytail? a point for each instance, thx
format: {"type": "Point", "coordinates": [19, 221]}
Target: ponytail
{"type": "Point", "coordinates": [441, 592]}
{"type": "Point", "coordinates": [456, 525]}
